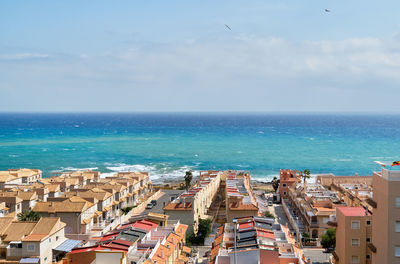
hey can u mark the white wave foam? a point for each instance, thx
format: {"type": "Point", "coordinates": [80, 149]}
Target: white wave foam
{"type": "Point", "coordinates": [136, 167]}
{"type": "Point", "coordinates": [157, 172]}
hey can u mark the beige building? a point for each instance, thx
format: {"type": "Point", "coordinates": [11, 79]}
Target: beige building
{"type": "Point", "coordinates": [239, 198]}
{"type": "Point", "coordinates": [353, 234]}
{"type": "Point", "coordinates": [386, 215]}
{"type": "Point", "coordinates": [229, 191]}
{"type": "Point", "coordinates": [193, 204]}
{"type": "Point", "coordinates": [30, 239]}
{"type": "Point", "coordinates": [15, 177]}
{"type": "Point", "coordinates": [313, 205]}
{"type": "Point", "coordinates": [76, 212]}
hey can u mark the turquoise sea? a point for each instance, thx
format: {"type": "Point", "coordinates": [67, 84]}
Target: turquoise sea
{"type": "Point", "coordinates": [168, 144]}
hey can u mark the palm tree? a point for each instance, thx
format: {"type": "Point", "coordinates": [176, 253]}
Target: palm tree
{"type": "Point", "coordinates": [29, 216]}
{"type": "Point", "coordinates": [306, 175]}
{"type": "Point", "coordinates": [275, 183]}
{"type": "Point", "coordinates": [188, 179]}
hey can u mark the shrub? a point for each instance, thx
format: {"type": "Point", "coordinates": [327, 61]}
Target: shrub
{"type": "Point", "coordinates": [269, 214]}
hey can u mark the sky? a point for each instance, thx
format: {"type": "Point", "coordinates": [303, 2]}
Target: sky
{"type": "Point", "coordinates": [133, 56]}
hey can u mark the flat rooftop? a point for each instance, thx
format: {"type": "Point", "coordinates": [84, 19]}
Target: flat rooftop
{"type": "Point", "coordinates": [353, 211]}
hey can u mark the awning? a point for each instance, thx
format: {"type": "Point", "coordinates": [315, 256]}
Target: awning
{"type": "Point", "coordinates": [30, 260]}
{"type": "Point", "coordinates": [67, 245]}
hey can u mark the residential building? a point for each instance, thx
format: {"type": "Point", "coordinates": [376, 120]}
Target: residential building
{"type": "Point", "coordinates": [313, 205]}
{"type": "Point", "coordinates": [353, 234]}
{"type": "Point", "coordinates": [33, 240]}
{"type": "Point", "coordinates": [14, 177]}
{"type": "Point", "coordinates": [140, 242]}
{"type": "Point", "coordinates": [76, 212]}
{"type": "Point", "coordinates": [193, 204]}
{"type": "Point", "coordinates": [239, 197]}
{"type": "Point", "coordinates": [252, 240]}
{"type": "Point", "coordinates": [327, 180]}
{"type": "Point", "coordinates": [386, 214]}
{"type": "Point", "coordinates": [286, 179]}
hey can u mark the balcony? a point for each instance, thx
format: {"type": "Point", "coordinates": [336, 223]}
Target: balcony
{"type": "Point", "coordinates": [371, 202]}
{"type": "Point", "coordinates": [332, 223]}
{"type": "Point", "coordinates": [372, 247]}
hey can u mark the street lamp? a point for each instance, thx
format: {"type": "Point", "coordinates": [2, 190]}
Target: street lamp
{"type": "Point", "coordinates": [234, 252]}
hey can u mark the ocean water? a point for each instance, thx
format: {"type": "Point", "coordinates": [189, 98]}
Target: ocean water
{"type": "Point", "coordinates": [168, 144]}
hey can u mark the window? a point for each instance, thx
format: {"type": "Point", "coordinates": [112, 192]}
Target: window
{"type": "Point", "coordinates": [368, 222]}
{"type": "Point", "coordinates": [368, 256]}
{"type": "Point", "coordinates": [284, 184]}
{"type": "Point", "coordinates": [30, 247]}
{"type": "Point", "coordinates": [368, 240]}
{"type": "Point", "coordinates": [355, 242]}
{"type": "Point", "coordinates": [56, 238]}
{"type": "Point", "coordinates": [397, 251]}
{"type": "Point", "coordinates": [355, 260]}
{"type": "Point", "coordinates": [284, 193]}
{"type": "Point", "coordinates": [355, 224]}
{"type": "Point", "coordinates": [398, 202]}
{"type": "Point", "coordinates": [397, 226]}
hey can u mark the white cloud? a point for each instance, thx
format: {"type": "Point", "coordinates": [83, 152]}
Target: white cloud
{"type": "Point", "coordinates": [241, 73]}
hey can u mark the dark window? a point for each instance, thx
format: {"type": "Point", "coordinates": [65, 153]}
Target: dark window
{"type": "Point", "coordinates": [368, 239]}
{"type": "Point", "coordinates": [368, 222]}
{"type": "Point", "coordinates": [368, 256]}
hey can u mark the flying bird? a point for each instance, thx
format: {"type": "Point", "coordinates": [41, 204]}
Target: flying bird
{"type": "Point", "coordinates": [227, 27]}
{"type": "Point", "coordinates": [327, 10]}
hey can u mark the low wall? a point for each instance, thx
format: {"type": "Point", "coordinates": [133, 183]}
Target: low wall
{"type": "Point", "coordinates": [291, 220]}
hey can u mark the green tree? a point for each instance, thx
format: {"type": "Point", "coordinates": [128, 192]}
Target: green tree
{"type": "Point", "coordinates": [275, 183]}
{"type": "Point", "coordinates": [188, 179]}
{"type": "Point", "coordinates": [328, 240]}
{"type": "Point", "coordinates": [306, 175]}
{"type": "Point", "coordinates": [29, 216]}
{"type": "Point", "coordinates": [268, 214]}
{"type": "Point", "coordinates": [203, 231]}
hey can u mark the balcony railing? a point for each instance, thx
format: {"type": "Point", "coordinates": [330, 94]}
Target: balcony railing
{"type": "Point", "coordinates": [371, 202]}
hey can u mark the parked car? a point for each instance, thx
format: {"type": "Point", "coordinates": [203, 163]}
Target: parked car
{"type": "Point", "coordinates": [149, 206]}
{"type": "Point", "coordinates": [154, 202]}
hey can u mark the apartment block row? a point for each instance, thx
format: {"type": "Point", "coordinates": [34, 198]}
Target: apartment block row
{"type": "Point", "coordinates": [229, 192]}
{"type": "Point", "coordinates": [153, 239]}
{"type": "Point", "coordinates": [252, 240]}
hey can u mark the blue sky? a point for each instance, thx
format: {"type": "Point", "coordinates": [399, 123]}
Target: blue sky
{"type": "Point", "coordinates": [281, 55]}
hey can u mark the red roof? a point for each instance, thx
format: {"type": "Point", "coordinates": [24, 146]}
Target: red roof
{"type": "Point", "coordinates": [246, 225]}
{"type": "Point", "coordinates": [266, 234]}
{"type": "Point", "coordinates": [353, 211]}
{"type": "Point", "coordinates": [98, 247]}
{"type": "Point", "coordinates": [108, 237]}
{"type": "Point", "coordinates": [145, 225]}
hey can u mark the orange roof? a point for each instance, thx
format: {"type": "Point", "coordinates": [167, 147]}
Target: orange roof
{"type": "Point", "coordinates": [34, 237]}
{"type": "Point", "coordinates": [324, 209]}
{"type": "Point", "coordinates": [161, 254]}
{"type": "Point", "coordinates": [178, 206]}
{"type": "Point", "coordinates": [187, 250]}
{"type": "Point", "coordinates": [181, 230]}
{"type": "Point", "coordinates": [246, 207]}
